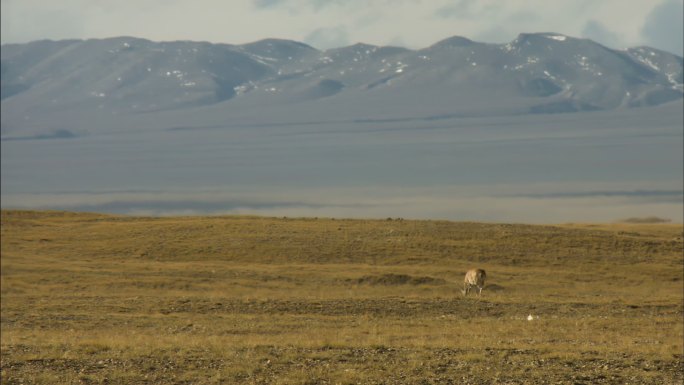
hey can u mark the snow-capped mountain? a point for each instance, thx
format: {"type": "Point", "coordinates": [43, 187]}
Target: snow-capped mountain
{"type": "Point", "coordinates": [81, 86]}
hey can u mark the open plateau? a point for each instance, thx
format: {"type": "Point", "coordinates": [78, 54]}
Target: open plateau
{"type": "Point", "coordinates": [95, 299]}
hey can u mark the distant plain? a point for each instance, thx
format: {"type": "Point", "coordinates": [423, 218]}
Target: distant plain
{"type": "Point", "coordinates": [591, 166]}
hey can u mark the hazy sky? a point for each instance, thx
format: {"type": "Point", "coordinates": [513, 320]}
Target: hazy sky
{"type": "Point", "coordinates": [333, 23]}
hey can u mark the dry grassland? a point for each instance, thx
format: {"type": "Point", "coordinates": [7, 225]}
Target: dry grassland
{"type": "Point", "coordinates": [96, 299]}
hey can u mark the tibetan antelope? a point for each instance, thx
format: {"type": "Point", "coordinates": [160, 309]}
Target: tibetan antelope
{"type": "Point", "coordinates": [476, 278]}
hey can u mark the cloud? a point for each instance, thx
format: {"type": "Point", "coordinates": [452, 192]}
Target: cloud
{"type": "Point", "coordinates": [508, 28]}
{"type": "Point", "coordinates": [305, 6]}
{"type": "Point", "coordinates": [267, 3]}
{"type": "Point", "coordinates": [594, 30]}
{"type": "Point", "coordinates": [460, 10]}
{"type": "Point", "coordinates": [664, 27]}
{"type": "Point", "coordinates": [494, 35]}
{"type": "Point", "coordinates": [37, 24]}
{"type": "Point", "coordinates": [337, 22]}
{"type": "Point", "coordinates": [321, 4]}
{"type": "Point", "coordinates": [324, 38]}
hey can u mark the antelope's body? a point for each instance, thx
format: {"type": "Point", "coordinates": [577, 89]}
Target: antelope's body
{"type": "Point", "coordinates": [474, 278]}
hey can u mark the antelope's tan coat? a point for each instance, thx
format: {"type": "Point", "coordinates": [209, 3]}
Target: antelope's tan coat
{"type": "Point", "coordinates": [474, 278]}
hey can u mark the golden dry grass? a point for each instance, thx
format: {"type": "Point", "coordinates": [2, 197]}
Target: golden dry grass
{"type": "Point", "coordinates": [89, 298]}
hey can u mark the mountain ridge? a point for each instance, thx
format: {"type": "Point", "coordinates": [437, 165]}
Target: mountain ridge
{"type": "Point", "coordinates": [52, 85]}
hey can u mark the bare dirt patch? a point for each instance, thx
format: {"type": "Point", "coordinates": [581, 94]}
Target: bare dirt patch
{"type": "Point", "coordinates": [396, 279]}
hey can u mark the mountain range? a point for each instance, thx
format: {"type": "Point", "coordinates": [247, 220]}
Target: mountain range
{"type": "Point", "coordinates": [73, 87]}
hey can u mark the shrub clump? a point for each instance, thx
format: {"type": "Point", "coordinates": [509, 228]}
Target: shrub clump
{"type": "Point", "coordinates": [645, 220]}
